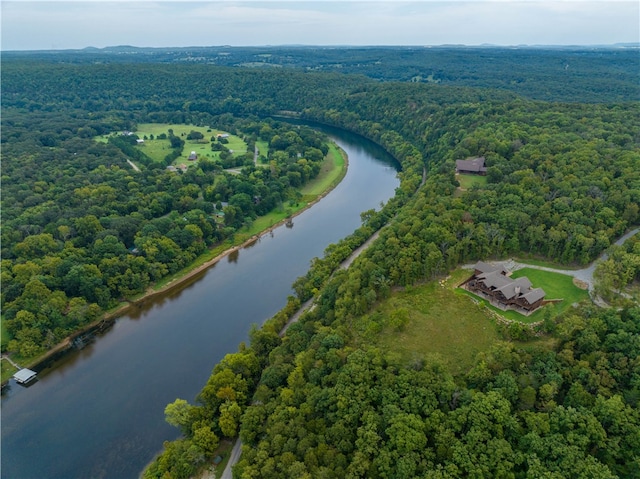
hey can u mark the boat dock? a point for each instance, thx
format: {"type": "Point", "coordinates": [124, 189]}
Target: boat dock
{"type": "Point", "coordinates": [24, 376]}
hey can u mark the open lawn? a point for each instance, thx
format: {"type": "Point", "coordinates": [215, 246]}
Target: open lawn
{"type": "Point", "coordinates": [331, 173]}
{"type": "Point", "coordinates": [263, 150]}
{"type": "Point", "coordinates": [158, 149]}
{"type": "Point", "coordinates": [437, 321]}
{"type": "Point", "coordinates": [467, 181]}
{"type": "Point", "coordinates": [556, 285]}
{"type": "Point", "coordinates": [7, 370]}
{"type": "Point", "coordinates": [5, 337]}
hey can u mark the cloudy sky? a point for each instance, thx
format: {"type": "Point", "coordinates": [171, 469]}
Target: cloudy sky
{"type": "Point", "coordinates": [54, 24]}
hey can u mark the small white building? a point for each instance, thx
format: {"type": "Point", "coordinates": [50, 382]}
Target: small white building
{"type": "Point", "coordinates": [24, 376]}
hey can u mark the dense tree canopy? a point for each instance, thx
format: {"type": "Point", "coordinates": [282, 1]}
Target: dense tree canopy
{"type": "Point", "coordinates": [335, 411]}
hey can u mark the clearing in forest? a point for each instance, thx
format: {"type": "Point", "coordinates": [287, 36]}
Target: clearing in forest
{"type": "Point", "coordinates": [467, 181]}
{"type": "Point", "coordinates": [431, 319]}
{"type": "Point", "coordinates": [158, 149]}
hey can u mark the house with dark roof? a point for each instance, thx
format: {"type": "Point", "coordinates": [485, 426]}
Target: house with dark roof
{"type": "Point", "coordinates": [474, 166]}
{"type": "Point", "coordinates": [494, 284]}
{"type": "Point", "coordinates": [193, 156]}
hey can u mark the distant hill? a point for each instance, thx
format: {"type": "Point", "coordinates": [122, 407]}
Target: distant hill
{"type": "Point", "coordinates": [592, 74]}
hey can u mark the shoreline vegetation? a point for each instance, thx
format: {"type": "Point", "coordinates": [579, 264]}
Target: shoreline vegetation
{"type": "Point", "coordinates": [332, 173]}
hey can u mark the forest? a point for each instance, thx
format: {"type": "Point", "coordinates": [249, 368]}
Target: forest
{"type": "Point", "coordinates": [562, 184]}
{"type": "Point", "coordinates": [605, 74]}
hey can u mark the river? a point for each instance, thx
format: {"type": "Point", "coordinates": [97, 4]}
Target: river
{"type": "Point", "coordinates": [99, 412]}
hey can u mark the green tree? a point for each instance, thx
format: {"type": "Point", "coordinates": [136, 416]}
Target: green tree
{"type": "Point", "coordinates": [230, 413]}
{"type": "Point", "coordinates": [180, 414]}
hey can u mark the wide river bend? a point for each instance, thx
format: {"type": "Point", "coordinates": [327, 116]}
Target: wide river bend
{"type": "Point", "coordinates": [99, 412]}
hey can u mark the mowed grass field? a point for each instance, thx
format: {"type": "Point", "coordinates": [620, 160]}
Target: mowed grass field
{"type": "Point", "coordinates": [556, 285]}
{"type": "Point", "coordinates": [5, 337]}
{"type": "Point", "coordinates": [331, 173]}
{"type": "Point", "coordinates": [467, 181]}
{"type": "Point", "coordinates": [263, 149]}
{"type": "Point", "coordinates": [440, 323]}
{"type": "Point", "coordinates": [158, 149]}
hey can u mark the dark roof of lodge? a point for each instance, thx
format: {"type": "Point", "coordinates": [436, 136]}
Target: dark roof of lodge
{"type": "Point", "coordinates": [516, 287]}
{"type": "Point", "coordinates": [494, 278]}
{"type": "Point", "coordinates": [471, 164]}
{"type": "Point", "coordinates": [534, 295]}
{"type": "Point", "coordinates": [488, 268]}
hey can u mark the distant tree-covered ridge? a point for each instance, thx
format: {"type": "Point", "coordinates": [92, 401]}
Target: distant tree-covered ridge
{"type": "Point", "coordinates": [576, 74]}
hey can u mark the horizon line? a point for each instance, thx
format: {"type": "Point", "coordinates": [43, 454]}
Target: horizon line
{"type": "Point", "coordinates": [631, 44]}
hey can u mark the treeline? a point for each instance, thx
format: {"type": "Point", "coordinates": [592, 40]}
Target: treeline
{"type": "Point", "coordinates": [163, 93]}
{"type": "Point", "coordinates": [591, 75]}
{"type": "Point", "coordinates": [82, 231]}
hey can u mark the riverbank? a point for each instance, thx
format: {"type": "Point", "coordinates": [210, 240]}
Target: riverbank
{"type": "Point", "coordinates": [337, 165]}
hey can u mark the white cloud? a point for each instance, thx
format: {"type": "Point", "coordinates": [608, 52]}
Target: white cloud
{"type": "Point", "coordinates": [48, 24]}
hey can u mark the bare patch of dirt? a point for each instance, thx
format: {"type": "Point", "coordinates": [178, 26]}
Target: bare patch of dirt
{"type": "Point", "coordinates": [580, 284]}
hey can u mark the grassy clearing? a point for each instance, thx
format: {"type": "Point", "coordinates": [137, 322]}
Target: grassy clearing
{"type": "Point", "coordinates": [468, 181]}
{"type": "Point", "coordinates": [263, 148]}
{"type": "Point", "coordinates": [438, 322]}
{"type": "Point", "coordinates": [5, 337]}
{"type": "Point", "coordinates": [331, 173]}
{"type": "Point", "coordinates": [556, 285]}
{"type": "Point", "coordinates": [7, 370]}
{"type": "Point", "coordinates": [158, 149]}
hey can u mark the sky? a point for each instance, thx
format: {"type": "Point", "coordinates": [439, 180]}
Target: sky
{"type": "Point", "coordinates": [53, 24]}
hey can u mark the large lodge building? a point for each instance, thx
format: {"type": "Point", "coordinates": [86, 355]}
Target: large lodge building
{"type": "Point", "coordinates": [494, 284]}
